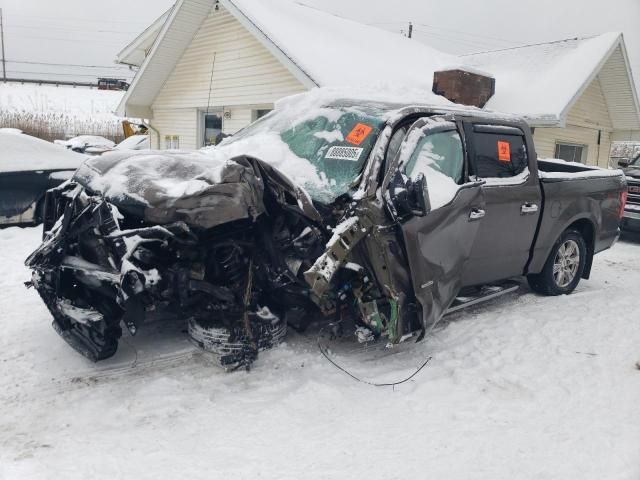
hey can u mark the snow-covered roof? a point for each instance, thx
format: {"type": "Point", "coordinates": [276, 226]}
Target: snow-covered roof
{"type": "Point", "coordinates": [540, 82]}
{"type": "Point", "coordinates": [136, 51]}
{"type": "Point", "coordinates": [334, 51]}
{"type": "Point", "coordinates": [22, 153]}
{"type": "Point", "coordinates": [320, 49]}
{"type": "Point", "coordinates": [543, 81]}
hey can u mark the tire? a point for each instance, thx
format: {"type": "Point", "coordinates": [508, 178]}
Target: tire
{"type": "Point", "coordinates": [563, 269]}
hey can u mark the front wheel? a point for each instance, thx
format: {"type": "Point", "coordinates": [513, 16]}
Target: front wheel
{"type": "Point", "coordinates": [564, 267]}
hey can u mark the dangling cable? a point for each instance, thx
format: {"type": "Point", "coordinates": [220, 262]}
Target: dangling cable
{"type": "Point", "coordinates": [367, 382]}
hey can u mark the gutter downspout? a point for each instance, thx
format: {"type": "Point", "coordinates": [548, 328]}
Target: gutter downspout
{"type": "Point", "coordinates": [148, 124]}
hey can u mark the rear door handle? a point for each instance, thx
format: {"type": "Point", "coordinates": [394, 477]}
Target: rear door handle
{"type": "Point", "coordinates": [528, 208]}
{"type": "Point", "coordinates": [476, 214]}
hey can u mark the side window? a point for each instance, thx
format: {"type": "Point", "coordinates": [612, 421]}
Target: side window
{"type": "Point", "coordinates": [438, 154]}
{"type": "Point", "coordinates": [500, 152]}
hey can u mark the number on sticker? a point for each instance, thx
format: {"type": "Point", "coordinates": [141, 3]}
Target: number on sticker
{"type": "Point", "coordinates": [344, 153]}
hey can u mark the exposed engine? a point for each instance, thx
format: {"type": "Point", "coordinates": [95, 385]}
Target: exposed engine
{"type": "Point", "coordinates": [235, 284]}
{"type": "Point", "coordinates": [236, 281]}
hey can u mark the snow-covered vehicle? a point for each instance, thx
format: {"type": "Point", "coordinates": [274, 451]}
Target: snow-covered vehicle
{"type": "Point", "coordinates": [383, 215]}
{"type": "Point", "coordinates": [134, 142]}
{"type": "Point", "coordinates": [91, 144]}
{"type": "Point", "coordinates": [29, 167]}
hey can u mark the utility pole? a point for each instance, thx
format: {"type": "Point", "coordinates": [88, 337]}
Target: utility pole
{"type": "Point", "coordinates": [4, 66]}
{"type": "Point", "coordinates": [410, 32]}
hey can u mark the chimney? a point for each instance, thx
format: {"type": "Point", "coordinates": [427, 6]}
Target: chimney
{"type": "Point", "coordinates": [463, 87]}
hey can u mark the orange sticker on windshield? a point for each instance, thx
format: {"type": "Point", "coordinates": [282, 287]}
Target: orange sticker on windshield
{"type": "Point", "coordinates": [504, 151]}
{"type": "Point", "coordinates": [359, 133]}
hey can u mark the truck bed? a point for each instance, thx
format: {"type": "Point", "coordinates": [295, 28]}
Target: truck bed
{"type": "Point", "coordinates": [574, 194]}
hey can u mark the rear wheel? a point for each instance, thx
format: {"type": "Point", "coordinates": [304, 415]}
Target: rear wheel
{"type": "Point", "coordinates": [564, 267]}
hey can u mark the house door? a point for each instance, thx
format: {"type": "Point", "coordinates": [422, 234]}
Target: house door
{"type": "Point", "coordinates": [212, 128]}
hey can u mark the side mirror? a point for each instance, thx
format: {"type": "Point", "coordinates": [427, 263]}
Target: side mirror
{"type": "Point", "coordinates": [409, 197]}
{"type": "Point", "coordinates": [624, 162]}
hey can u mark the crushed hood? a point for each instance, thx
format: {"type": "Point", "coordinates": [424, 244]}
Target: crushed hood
{"type": "Point", "coordinates": [165, 187]}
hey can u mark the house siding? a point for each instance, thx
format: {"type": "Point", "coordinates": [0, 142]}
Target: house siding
{"type": "Point", "coordinates": [182, 122]}
{"type": "Point", "coordinates": [246, 76]}
{"type": "Point", "coordinates": [587, 119]}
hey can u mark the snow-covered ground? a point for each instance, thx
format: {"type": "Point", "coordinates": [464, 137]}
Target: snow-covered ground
{"type": "Point", "coordinates": [525, 387]}
{"type": "Point", "coordinates": [77, 102]}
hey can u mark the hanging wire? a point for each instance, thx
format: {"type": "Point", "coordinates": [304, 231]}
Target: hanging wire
{"type": "Point", "coordinates": [323, 351]}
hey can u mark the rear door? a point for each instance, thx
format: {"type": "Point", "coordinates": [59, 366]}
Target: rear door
{"type": "Point", "coordinates": [439, 242]}
{"type": "Point", "coordinates": [499, 156]}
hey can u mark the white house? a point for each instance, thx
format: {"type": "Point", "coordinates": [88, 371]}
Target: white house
{"type": "Point", "coordinates": [217, 65]}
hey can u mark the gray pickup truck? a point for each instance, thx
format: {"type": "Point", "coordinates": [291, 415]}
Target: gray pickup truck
{"type": "Point", "coordinates": [380, 216]}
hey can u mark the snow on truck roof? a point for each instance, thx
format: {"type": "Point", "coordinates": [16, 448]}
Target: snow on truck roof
{"type": "Point", "coordinates": [22, 153]}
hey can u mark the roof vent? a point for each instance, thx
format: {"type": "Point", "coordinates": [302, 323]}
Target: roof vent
{"type": "Point", "coordinates": [464, 87]}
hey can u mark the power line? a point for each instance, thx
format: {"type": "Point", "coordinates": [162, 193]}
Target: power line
{"type": "Point", "coordinates": [39, 27]}
{"type": "Point", "coordinates": [466, 33]}
{"type": "Point", "coordinates": [70, 65]}
{"type": "Point", "coordinates": [67, 74]}
{"type": "Point", "coordinates": [460, 41]}
{"type": "Point", "coordinates": [76, 19]}
{"type": "Point", "coordinates": [38, 37]}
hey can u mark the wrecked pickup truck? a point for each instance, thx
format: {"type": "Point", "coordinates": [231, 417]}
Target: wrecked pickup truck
{"type": "Point", "coordinates": [384, 215]}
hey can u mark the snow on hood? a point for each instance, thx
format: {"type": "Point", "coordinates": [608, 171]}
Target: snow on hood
{"type": "Point", "coordinates": [86, 140]}
{"type": "Point", "coordinates": [134, 174]}
{"type": "Point", "coordinates": [20, 153]}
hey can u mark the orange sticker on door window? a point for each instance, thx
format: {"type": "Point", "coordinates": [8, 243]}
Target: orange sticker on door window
{"type": "Point", "coordinates": [504, 151]}
{"type": "Point", "coordinates": [359, 133]}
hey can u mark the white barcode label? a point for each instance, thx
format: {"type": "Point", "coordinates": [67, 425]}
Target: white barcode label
{"type": "Point", "coordinates": [344, 153]}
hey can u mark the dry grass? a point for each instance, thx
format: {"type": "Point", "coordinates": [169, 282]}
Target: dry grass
{"type": "Point", "coordinates": [49, 126]}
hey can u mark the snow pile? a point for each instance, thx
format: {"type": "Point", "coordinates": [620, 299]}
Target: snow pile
{"type": "Point", "coordinates": [151, 176]}
{"type": "Point", "coordinates": [16, 131]}
{"type": "Point", "coordinates": [83, 141]}
{"type": "Point", "coordinates": [134, 142]}
{"type": "Point", "coordinates": [24, 153]}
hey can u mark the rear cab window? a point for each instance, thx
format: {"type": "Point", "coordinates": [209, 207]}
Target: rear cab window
{"type": "Point", "coordinates": [499, 152]}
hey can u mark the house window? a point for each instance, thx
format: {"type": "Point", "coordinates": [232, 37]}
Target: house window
{"type": "Point", "coordinates": [212, 122]}
{"type": "Point", "coordinates": [260, 113]}
{"type": "Point", "coordinates": [571, 153]}
{"type": "Point", "coordinates": [171, 142]}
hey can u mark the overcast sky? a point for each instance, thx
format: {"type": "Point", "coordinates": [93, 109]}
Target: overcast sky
{"type": "Point", "coordinates": [91, 32]}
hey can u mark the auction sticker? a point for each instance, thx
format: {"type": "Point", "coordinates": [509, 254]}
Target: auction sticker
{"type": "Point", "coordinates": [359, 133]}
{"type": "Point", "coordinates": [504, 151]}
{"type": "Point", "coordinates": [344, 153]}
